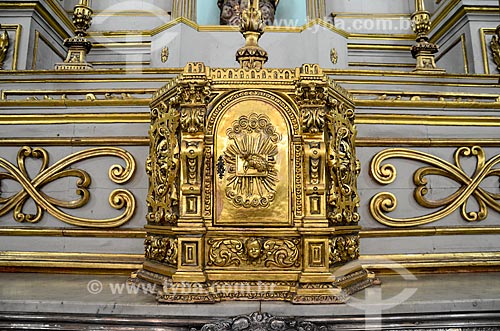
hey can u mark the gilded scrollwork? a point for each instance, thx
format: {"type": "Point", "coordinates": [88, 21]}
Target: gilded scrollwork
{"type": "Point", "coordinates": [161, 249]}
{"type": "Point", "coordinates": [280, 253]}
{"type": "Point", "coordinates": [343, 167]}
{"type": "Point", "coordinates": [32, 188]}
{"type": "Point", "coordinates": [343, 249]}
{"type": "Point", "coordinates": [162, 165]}
{"type": "Point", "coordinates": [385, 202]}
{"type": "Point", "coordinates": [250, 157]}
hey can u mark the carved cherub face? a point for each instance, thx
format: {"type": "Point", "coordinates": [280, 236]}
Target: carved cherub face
{"type": "Point", "coordinates": [267, 12]}
{"type": "Point", "coordinates": [253, 248]}
{"type": "Point", "coordinates": [227, 12]}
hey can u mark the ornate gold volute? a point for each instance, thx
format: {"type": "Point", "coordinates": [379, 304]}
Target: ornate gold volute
{"type": "Point", "coordinates": [252, 187]}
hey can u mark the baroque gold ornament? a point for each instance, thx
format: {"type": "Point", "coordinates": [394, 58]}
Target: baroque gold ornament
{"type": "Point", "coordinates": [385, 202]}
{"type": "Point", "coordinates": [32, 188]}
{"type": "Point", "coordinates": [252, 178]}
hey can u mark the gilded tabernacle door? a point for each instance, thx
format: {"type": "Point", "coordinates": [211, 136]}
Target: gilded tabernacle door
{"type": "Point", "coordinates": [252, 156]}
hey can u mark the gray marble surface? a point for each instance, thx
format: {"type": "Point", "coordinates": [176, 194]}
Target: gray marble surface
{"type": "Point", "coordinates": [106, 294]}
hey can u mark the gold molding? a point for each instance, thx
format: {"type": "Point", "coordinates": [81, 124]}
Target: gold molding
{"type": "Point", "coordinates": [39, 36]}
{"type": "Point", "coordinates": [144, 141]}
{"type": "Point", "coordinates": [434, 262]}
{"type": "Point", "coordinates": [390, 98]}
{"type": "Point", "coordinates": [431, 231]}
{"type": "Point", "coordinates": [381, 119]}
{"type": "Point", "coordinates": [371, 16]}
{"type": "Point", "coordinates": [76, 141]}
{"type": "Point", "coordinates": [461, 40]}
{"type": "Point", "coordinates": [105, 263]}
{"type": "Point", "coordinates": [484, 48]}
{"type": "Point", "coordinates": [42, 11]}
{"type": "Point", "coordinates": [71, 232]}
{"type": "Point", "coordinates": [141, 232]}
{"type": "Point", "coordinates": [403, 48]}
{"type": "Point", "coordinates": [121, 44]}
{"type": "Point", "coordinates": [425, 142]}
{"type": "Point", "coordinates": [485, 121]}
{"type": "Point", "coordinates": [437, 34]}
{"type": "Point", "coordinates": [70, 262]}
{"type": "Point", "coordinates": [85, 95]}
{"type": "Point", "coordinates": [74, 118]}
{"type": "Point", "coordinates": [31, 187]}
{"type": "Point", "coordinates": [380, 64]}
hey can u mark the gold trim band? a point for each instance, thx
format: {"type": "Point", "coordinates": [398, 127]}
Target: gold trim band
{"type": "Point", "coordinates": [434, 231]}
{"type": "Point", "coordinates": [125, 263]}
{"type": "Point", "coordinates": [69, 232]}
{"type": "Point", "coordinates": [486, 121]}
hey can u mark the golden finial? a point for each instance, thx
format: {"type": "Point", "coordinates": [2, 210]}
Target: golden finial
{"type": "Point", "coordinates": [78, 46]}
{"type": "Point", "coordinates": [252, 56]}
{"type": "Point", "coordinates": [423, 51]}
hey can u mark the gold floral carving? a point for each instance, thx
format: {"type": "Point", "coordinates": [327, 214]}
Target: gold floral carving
{"type": "Point", "coordinates": [251, 161]}
{"type": "Point", "coordinates": [343, 167]}
{"type": "Point", "coordinates": [311, 99]}
{"type": "Point", "coordinates": [385, 202]}
{"type": "Point", "coordinates": [161, 249]}
{"type": "Point", "coordinates": [32, 188]}
{"type": "Point", "coordinates": [281, 253]}
{"type": "Point", "coordinates": [162, 165]}
{"type": "Point", "coordinates": [343, 249]}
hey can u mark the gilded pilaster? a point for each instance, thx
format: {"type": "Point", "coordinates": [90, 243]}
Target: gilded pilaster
{"type": "Point", "coordinates": [316, 9]}
{"type": "Point", "coordinates": [184, 8]}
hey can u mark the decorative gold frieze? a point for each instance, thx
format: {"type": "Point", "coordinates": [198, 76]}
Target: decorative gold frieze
{"type": "Point", "coordinates": [161, 249]}
{"type": "Point", "coordinates": [385, 202]}
{"type": "Point", "coordinates": [4, 47]}
{"type": "Point", "coordinates": [32, 188]}
{"type": "Point", "coordinates": [254, 253]}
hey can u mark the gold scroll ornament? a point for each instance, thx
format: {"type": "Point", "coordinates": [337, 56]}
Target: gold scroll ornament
{"type": "Point", "coordinates": [32, 188]}
{"type": "Point", "coordinates": [385, 202]}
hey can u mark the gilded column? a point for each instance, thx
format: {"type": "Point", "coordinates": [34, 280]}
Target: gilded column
{"type": "Point", "coordinates": [316, 9]}
{"type": "Point", "coordinates": [184, 8]}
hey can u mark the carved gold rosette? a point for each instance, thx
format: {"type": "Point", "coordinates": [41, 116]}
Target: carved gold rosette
{"type": "Point", "coordinates": [253, 188]}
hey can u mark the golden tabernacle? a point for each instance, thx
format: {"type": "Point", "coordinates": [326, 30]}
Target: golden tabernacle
{"type": "Point", "coordinates": [252, 184]}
